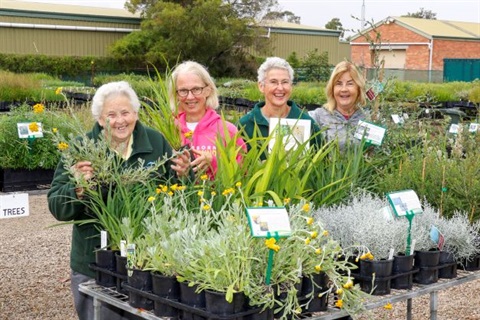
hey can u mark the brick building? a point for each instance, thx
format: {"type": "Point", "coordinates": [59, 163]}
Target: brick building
{"type": "Point", "coordinates": [415, 49]}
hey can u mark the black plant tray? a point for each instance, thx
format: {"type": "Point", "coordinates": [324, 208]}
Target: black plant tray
{"type": "Point", "coordinates": [184, 307]}
{"type": "Point", "coordinates": [446, 265]}
{"type": "Point", "coordinates": [94, 267]}
{"type": "Point", "coordinates": [357, 276]}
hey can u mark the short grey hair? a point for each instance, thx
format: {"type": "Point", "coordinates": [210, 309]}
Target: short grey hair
{"type": "Point", "coordinates": [274, 63]}
{"type": "Point", "coordinates": [199, 70]}
{"type": "Point", "coordinates": [113, 89]}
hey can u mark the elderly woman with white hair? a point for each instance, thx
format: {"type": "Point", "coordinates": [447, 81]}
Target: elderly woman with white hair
{"type": "Point", "coordinates": [194, 95]}
{"type": "Point", "coordinates": [115, 108]}
{"type": "Point", "coordinates": [275, 81]}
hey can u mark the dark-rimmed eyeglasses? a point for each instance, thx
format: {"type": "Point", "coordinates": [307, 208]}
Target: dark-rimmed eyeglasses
{"type": "Point", "coordinates": [195, 91]}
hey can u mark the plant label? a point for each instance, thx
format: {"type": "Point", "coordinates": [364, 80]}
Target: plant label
{"type": "Point", "coordinates": [404, 202]}
{"type": "Point", "coordinates": [453, 128]}
{"type": "Point", "coordinates": [372, 134]}
{"type": "Point", "coordinates": [397, 119]}
{"type": "Point", "coordinates": [14, 205]}
{"type": "Point", "coordinates": [269, 222]}
{"type": "Point", "coordinates": [473, 128]}
{"type": "Point", "coordinates": [293, 132]}
{"type": "Point", "coordinates": [29, 130]}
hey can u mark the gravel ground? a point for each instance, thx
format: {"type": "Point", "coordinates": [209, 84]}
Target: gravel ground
{"type": "Point", "coordinates": [34, 275]}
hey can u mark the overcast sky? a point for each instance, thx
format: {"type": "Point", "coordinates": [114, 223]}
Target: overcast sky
{"type": "Point", "coordinates": [318, 12]}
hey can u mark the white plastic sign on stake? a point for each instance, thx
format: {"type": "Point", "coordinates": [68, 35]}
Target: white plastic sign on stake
{"type": "Point", "coordinates": [14, 205]}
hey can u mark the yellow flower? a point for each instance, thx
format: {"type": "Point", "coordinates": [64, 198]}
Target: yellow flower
{"type": "Point", "coordinates": [62, 146]}
{"type": "Point", "coordinates": [271, 244]}
{"type": "Point", "coordinates": [164, 188]}
{"type": "Point", "coordinates": [339, 291]}
{"type": "Point", "coordinates": [54, 130]}
{"type": "Point", "coordinates": [238, 184]}
{"type": "Point", "coordinates": [310, 221]}
{"type": "Point", "coordinates": [206, 207]}
{"type": "Point", "coordinates": [313, 234]}
{"type": "Point", "coordinates": [307, 241]}
{"type": "Point", "coordinates": [204, 177]}
{"type": "Point", "coordinates": [170, 193]}
{"type": "Point", "coordinates": [388, 306]}
{"type": "Point", "coordinates": [213, 193]}
{"type": "Point", "coordinates": [325, 233]}
{"type": "Point", "coordinates": [59, 90]}
{"type": "Point", "coordinates": [318, 251]}
{"type": "Point", "coordinates": [286, 201]}
{"type": "Point", "coordinates": [174, 187]}
{"type": "Point", "coordinates": [38, 108]}
{"type": "Point", "coordinates": [151, 199]}
{"type": "Point", "coordinates": [158, 190]}
{"type": "Point", "coordinates": [188, 134]}
{"type": "Point", "coordinates": [348, 284]}
{"type": "Point", "coordinates": [318, 268]}
{"type": "Point", "coordinates": [339, 303]}
{"type": "Point", "coordinates": [228, 191]}
{"type": "Point", "coordinates": [366, 256]}
{"type": "Point", "coordinates": [200, 193]}
{"type": "Point", "coordinates": [181, 188]}
{"type": "Point", "coordinates": [33, 127]}
{"type": "Point", "coordinates": [306, 207]}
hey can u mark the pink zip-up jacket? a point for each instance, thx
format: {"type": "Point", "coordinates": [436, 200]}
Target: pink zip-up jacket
{"type": "Point", "coordinates": [205, 134]}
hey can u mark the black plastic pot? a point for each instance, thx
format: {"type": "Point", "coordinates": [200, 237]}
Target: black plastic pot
{"type": "Point", "coordinates": [142, 280]}
{"type": "Point", "coordinates": [105, 259]}
{"type": "Point", "coordinates": [427, 262]}
{"type": "Point", "coordinates": [165, 287]}
{"type": "Point", "coordinates": [402, 265]}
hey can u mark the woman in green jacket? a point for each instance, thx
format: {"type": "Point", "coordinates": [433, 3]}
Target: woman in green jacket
{"type": "Point", "coordinates": [115, 108]}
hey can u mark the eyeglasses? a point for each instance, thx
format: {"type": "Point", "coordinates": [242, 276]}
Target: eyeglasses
{"type": "Point", "coordinates": [195, 91]}
{"type": "Point", "coordinates": [275, 83]}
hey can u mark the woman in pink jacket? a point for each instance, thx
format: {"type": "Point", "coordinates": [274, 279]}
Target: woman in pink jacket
{"type": "Point", "coordinates": [194, 94]}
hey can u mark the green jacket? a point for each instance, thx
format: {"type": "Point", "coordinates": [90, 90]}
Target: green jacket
{"type": "Point", "coordinates": [255, 118]}
{"type": "Point", "coordinates": [149, 145]}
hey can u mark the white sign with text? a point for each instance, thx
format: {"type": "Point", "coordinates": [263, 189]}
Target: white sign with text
{"type": "Point", "coordinates": [14, 205]}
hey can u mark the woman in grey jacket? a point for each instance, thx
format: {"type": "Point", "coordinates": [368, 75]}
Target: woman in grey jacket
{"type": "Point", "coordinates": [339, 117]}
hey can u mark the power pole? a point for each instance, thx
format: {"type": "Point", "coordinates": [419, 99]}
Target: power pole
{"type": "Point", "coordinates": [363, 16]}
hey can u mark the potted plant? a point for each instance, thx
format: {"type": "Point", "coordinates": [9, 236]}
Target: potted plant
{"type": "Point", "coordinates": [28, 157]}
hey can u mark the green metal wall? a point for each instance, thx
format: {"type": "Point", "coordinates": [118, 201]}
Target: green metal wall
{"type": "Point", "coordinates": [282, 45]}
{"type": "Point", "coordinates": [56, 42]}
{"type": "Point", "coordinates": [461, 69]}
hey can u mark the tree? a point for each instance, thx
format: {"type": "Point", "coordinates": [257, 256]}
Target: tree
{"type": "Point", "coordinates": [282, 15]}
{"type": "Point", "coordinates": [422, 14]}
{"type": "Point", "coordinates": [335, 24]}
{"type": "Point", "coordinates": [212, 32]}
{"type": "Point", "coordinates": [315, 66]}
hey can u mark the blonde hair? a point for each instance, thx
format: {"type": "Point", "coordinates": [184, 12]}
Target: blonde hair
{"type": "Point", "coordinates": [340, 69]}
{"type": "Point", "coordinates": [199, 70]}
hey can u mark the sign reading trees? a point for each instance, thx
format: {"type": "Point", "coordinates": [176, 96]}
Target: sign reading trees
{"type": "Point", "coordinates": [14, 205]}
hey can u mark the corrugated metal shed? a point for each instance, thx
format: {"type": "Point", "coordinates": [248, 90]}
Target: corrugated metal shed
{"type": "Point", "coordinates": [285, 37]}
{"type": "Point", "coordinates": [50, 29]}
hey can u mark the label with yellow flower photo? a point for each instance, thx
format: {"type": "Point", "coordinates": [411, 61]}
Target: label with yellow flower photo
{"type": "Point", "coordinates": [29, 130]}
{"type": "Point", "coordinates": [268, 222]}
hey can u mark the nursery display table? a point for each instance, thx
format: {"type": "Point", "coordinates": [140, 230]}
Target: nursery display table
{"type": "Point", "coordinates": [110, 296]}
{"type": "Point", "coordinates": [407, 295]}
